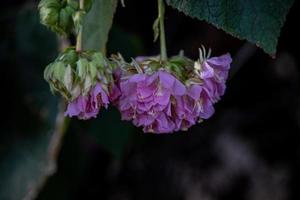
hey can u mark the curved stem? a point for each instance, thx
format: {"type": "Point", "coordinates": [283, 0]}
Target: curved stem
{"type": "Point", "coordinates": [161, 12]}
{"type": "Point", "coordinates": [79, 35]}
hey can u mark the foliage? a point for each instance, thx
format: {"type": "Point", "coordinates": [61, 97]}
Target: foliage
{"type": "Point", "coordinates": [258, 21]}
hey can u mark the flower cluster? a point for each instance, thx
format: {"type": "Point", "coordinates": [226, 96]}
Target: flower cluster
{"type": "Point", "coordinates": [160, 96]}
{"type": "Point", "coordinates": [146, 99]}
{"type": "Point", "coordinates": [84, 79]}
{"type": "Point", "coordinates": [163, 97]}
{"type": "Point", "coordinates": [62, 16]}
{"type": "Point", "coordinates": [88, 106]}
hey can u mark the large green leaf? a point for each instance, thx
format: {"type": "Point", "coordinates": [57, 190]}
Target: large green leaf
{"type": "Point", "coordinates": [258, 21]}
{"type": "Point", "coordinates": [97, 24]}
{"type": "Point", "coordinates": [24, 158]}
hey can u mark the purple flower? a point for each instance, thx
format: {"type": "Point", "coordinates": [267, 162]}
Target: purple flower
{"type": "Point", "coordinates": [191, 108]}
{"type": "Point", "coordinates": [86, 107]}
{"type": "Point", "coordinates": [214, 73]}
{"type": "Point", "coordinates": [160, 103]}
{"type": "Point", "coordinates": [198, 102]}
{"type": "Point", "coordinates": [147, 100]}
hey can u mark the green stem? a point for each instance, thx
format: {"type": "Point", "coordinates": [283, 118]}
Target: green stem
{"type": "Point", "coordinates": [161, 12]}
{"type": "Point", "coordinates": [79, 35]}
{"type": "Point", "coordinates": [79, 40]}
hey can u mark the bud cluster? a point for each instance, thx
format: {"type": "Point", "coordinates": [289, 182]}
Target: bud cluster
{"type": "Point", "coordinates": [63, 16]}
{"type": "Point", "coordinates": [75, 73]}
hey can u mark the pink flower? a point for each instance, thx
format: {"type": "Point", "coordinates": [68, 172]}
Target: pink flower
{"type": "Point", "coordinates": [160, 103]}
{"type": "Point", "coordinates": [214, 73]}
{"type": "Point", "coordinates": [197, 103]}
{"type": "Point", "coordinates": [147, 100]}
{"type": "Point", "coordinates": [192, 107]}
{"type": "Point", "coordinates": [86, 107]}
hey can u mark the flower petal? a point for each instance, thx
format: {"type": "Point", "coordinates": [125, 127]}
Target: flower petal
{"type": "Point", "coordinates": [166, 79]}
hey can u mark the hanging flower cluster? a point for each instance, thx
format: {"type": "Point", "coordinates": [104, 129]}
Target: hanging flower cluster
{"type": "Point", "coordinates": [84, 79]}
{"type": "Point", "coordinates": [158, 94]}
{"type": "Point", "coordinates": [163, 97]}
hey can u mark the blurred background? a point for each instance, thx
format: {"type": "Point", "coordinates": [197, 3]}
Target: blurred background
{"type": "Point", "coordinates": [249, 149]}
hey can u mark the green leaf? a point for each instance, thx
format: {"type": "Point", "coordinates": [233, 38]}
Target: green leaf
{"type": "Point", "coordinates": [97, 24]}
{"type": "Point", "coordinates": [258, 21]}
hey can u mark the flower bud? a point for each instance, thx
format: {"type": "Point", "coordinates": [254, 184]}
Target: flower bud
{"type": "Point", "coordinates": [63, 17]}
{"type": "Point", "coordinates": [48, 16]}
{"type": "Point", "coordinates": [76, 73]}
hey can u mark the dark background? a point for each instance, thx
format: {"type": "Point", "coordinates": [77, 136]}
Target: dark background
{"type": "Point", "coordinates": [249, 149]}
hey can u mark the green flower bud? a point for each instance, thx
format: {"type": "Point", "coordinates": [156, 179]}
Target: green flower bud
{"type": "Point", "coordinates": [65, 22]}
{"type": "Point", "coordinates": [54, 74]}
{"type": "Point", "coordinates": [48, 16]}
{"type": "Point", "coordinates": [62, 16]}
{"type": "Point", "coordinates": [60, 75]}
{"type": "Point", "coordinates": [76, 73]}
{"type": "Point", "coordinates": [49, 3]}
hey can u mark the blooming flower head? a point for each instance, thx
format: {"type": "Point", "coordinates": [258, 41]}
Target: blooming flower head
{"type": "Point", "coordinates": [86, 107]}
{"type": "Point", "coordinates": [84, 79]}
{"type": "Point", "coordinates": [172, 96]}
{"type": "Point", "coordinates": [146, 99]}
{"type": "Point", "coordinates": [192, 107]}
{"type": "Point", "coordinates": [214, 73]}
{"type": "Point", "coordinates": [198, 102]}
